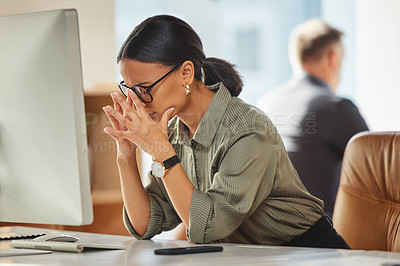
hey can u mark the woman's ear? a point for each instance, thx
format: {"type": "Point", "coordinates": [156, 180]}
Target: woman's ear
{"type": "Point", "coordinates": [187, 72]}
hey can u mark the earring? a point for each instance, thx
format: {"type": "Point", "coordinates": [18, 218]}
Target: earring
{"type": "Point", "coordinates": [188, 91]}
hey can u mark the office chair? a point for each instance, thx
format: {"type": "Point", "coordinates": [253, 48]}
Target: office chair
{"type": "Point", "coordinates": [367, 208]}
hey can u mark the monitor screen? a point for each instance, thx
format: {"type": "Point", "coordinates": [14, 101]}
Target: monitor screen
{"type": "Point", "coordinates": [44, 166]}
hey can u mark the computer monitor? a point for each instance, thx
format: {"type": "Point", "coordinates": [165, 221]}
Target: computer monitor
{"type": "Point", "coordinates": [44, 166]}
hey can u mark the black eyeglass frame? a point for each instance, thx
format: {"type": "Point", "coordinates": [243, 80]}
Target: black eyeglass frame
{"type": "Point", "coordinates": [147, 88]}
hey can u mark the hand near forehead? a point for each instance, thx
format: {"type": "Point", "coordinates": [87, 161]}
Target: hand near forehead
{"type": "Point", "coordinates": [130, 121]}
{"type": "Point", "coordinates": [125, 148]}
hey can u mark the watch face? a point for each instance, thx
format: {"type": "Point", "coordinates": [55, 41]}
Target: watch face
{"type": "Point", "coordinates": [157, 169]}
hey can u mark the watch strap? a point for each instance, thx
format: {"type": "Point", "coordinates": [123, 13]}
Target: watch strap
{"type": "Point", "coordinates": [171, 162]}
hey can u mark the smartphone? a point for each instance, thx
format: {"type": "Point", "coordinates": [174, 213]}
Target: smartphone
{"type": "Point", "coordinates": [187, 250]}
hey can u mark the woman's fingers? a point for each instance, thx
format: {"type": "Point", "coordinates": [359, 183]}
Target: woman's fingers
{"type": "Point", "coordinates": [114, 122]}
{"type": "Point", "coordinates": [117, 106]}
{"type": "Point", "coordinates": [166, 117]}
{"type": "Point", "coordinates": [131, 121]}
{"type": "Point", "coordinates": [132, 107]}
{"type": "Point", "coordinates": [116, 116]}
{"type": "Point", "coordinates": [110, 132]}
{"type": "Point", "coordinates": [138, 104]}
{"type": "Point", "coordinates": [129, 101]}
{"type": "Point", "coordinates": [127, 108]}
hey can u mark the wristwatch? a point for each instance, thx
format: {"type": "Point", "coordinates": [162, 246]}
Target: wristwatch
{"type": "Point", "coordinates": [160, 168]}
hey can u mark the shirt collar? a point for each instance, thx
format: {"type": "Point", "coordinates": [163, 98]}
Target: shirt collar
{"type": "Point", "coordinates": [312, 79]}
{"type": "Point", "coordinates": [210, 122]}
{"type": "Point", "coordinates": [316, 81]}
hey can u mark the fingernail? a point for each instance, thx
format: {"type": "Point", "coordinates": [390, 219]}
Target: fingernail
{"type": "Point", "coordinates": [131, 93]}
{"type": "Point", "coordinates": [119, 97]}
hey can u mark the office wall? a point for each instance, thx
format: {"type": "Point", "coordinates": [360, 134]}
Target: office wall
{"type": "Point", "coordinates": [96, 25]}
{"type": "Point", "coordinates": [378, 62]}
{"type": "Point", "coordinates": [341, 14]}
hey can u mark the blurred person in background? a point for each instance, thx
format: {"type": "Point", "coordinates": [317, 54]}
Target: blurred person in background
{"type": "Point", "coordinates": [314, 123]}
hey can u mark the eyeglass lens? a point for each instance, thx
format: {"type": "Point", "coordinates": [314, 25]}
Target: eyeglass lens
{"type": "Point", "coordinates": [142, 93]}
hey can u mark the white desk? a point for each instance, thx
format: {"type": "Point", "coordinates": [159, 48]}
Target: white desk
{"type": "Point", "coordinates": [141, 253]}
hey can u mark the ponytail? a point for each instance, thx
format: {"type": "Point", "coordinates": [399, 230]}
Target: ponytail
{"type": "Point", "coordinates": [216, 70]}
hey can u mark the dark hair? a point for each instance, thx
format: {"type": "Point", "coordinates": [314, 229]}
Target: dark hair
{"type": "Point", "coordinates": [170, 41]}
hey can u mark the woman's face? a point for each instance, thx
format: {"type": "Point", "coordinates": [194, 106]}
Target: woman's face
{"type": "Point", "coordinates": [168, 93]}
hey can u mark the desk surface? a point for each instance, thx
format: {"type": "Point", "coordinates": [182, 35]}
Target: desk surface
{"type": "Point", "coordinates": [141, 252]}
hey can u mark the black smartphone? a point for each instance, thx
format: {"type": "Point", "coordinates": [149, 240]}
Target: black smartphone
{"type": "Point", "coordinates": [187, 250]}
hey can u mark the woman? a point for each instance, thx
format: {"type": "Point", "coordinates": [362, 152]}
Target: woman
{"type": "Point", "coordinates": [219, 164]}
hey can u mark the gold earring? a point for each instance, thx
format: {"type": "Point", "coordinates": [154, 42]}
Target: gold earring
{"type": "Point", "coordinates": [188, 91]}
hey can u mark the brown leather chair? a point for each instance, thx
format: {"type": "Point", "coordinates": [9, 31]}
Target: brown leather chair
{"type": "Point", "coordinates": [367, 208]}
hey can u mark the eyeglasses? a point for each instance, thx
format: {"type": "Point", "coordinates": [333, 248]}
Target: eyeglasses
{"type": "Point", "coordinates": [143, 92]}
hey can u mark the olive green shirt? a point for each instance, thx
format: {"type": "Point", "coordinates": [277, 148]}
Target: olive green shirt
{"type": "Point", "coordinates": [245, 187]}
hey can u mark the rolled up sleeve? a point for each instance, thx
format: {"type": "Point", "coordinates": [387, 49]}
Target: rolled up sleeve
{"type": "Point", "coordinates": [163, 216]}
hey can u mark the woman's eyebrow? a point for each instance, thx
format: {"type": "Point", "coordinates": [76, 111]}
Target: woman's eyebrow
{"type": "Point", "coordinates": [144, 83]}
{"type": "Point", "coordinates": [141, 84]}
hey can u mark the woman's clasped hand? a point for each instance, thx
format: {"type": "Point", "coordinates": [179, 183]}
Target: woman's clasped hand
{"type": "Point", "coordinates": [133, 127]}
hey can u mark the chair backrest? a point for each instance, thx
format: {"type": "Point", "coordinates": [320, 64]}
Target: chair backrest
{"type": "Point", "coordinates": [367, 208]}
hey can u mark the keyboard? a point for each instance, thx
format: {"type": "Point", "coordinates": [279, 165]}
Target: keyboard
{"type": "Point", "coordinates": [61, 246]}
{"type": "Point", "coordinates": [20, 252]}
